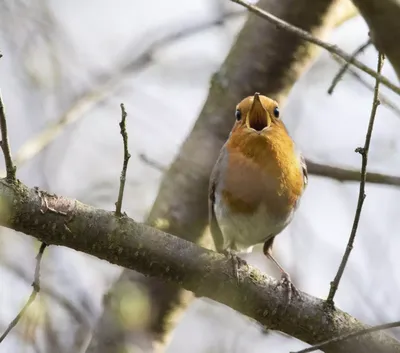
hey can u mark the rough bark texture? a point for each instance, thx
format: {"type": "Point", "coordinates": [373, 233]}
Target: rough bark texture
{"type": "Point", "coordinates": [61, 221]}
{"type": "Point", "coordinates": [382, 17]}
{"type": "Point", "coordinates": [263, 59]}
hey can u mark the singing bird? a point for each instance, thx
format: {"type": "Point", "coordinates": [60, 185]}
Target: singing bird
{"type": "Point", "coordinates": [257, 181]}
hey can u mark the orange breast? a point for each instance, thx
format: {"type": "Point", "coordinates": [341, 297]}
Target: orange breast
{"type": "Point", "coordinates": [262, 168]}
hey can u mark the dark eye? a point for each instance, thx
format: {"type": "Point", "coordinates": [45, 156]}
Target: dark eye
{"type": "Point", "coordinates": [238, 115]}
{"type": "Point", "coordinates": [276, 112]}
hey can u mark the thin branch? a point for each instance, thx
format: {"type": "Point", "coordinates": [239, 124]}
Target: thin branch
{"type": "Point", "coordinates": [206, 273]}
{"type": "Point", "coordinates": [361, 196]}
{"type": "Point", "coordinates": [122, 125]}
{"type": "Point", "coordinates": [382, 97]}
{"type": "Point", "coordinates": [32, 297]}
{"type": "Point", "coordinates": [346, 174]}
{"type": "Point", "coordinates": [346, 66]}
{"type": "Point", "coordinates": [333, 49]}
{"type": "Point", "coordinates": [10, 167]}
{"type": "Point", "coordinates": [350, 335]}
{"type": "Point", "coordinates": [314, 168]}
{"type": "Point", "coordinates": [69, 306]}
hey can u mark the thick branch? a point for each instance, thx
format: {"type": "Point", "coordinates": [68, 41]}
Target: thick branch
{"type": "Point", "coordinates": [382, 17]}
{"type": "Point", "coordinates": [142, 248]}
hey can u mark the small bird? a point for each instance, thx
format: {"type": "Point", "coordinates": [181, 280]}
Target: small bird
{"type": "Point", "coordinates": [257, 182]}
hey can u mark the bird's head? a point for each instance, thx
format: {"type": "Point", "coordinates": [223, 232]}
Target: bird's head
{"type": "Point", "coordinates": [256, 114]}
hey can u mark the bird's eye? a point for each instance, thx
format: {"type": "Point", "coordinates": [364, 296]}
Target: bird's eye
{"type": "Point", "coordinates": [238, 114]}
{"type": "Point", "coordinates": [276, 112]}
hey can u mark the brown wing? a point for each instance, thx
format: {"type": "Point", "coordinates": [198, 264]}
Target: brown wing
{"type": "Point", "coordinates": [214, 227]}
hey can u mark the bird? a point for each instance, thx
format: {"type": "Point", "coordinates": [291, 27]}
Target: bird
{"type": "Point", "coordinates": [256, 183]}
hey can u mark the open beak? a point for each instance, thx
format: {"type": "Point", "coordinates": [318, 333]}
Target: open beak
{"type": "Point", "coordinates": [257, 118]}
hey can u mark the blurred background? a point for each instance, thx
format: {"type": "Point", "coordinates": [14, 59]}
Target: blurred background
{"type": "Point", "coordinates": [67, 66]}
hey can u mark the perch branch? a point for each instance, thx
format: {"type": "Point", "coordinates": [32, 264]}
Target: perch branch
{"type": "Point", "coordinates": [208, 274]}
{"type": "Point", "coordinates": [361, 196]}
{"type": "Point", "coordinates": [32, 297]}
{"type": "Point", "coordinates": [124, 134]}
{"type": "Point", "coordinates": [333, 49]}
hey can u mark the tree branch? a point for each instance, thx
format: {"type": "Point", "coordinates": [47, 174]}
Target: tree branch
{"type": "Point", "coordinates": [350, 335]}
{"type": "Point", "coordinates": [32, 297]}
{"type": "Point", "coordinates": [345, 67]}
{"type": "Point", "coordinates": [361, 196]}
{"type": "Point", "coordinates": [10, 168]}
{"type": "Point", "coordinates": [382, 18]}
{"type": "Point", "coordinates": [124, 134]}
{"type": "Point", "coordinates": [333, 49]}
{"type": "Point", "coordinates": [154, 253]}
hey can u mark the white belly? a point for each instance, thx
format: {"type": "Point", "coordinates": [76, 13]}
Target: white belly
{"type": "Point", "coordinates": [242, 232]}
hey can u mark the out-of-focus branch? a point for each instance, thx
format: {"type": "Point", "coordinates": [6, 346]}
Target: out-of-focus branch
{"type": "Point", "coordinates": [382, 17]}
{"type": "Point", "coordinates": [350, 335]}
{"type": "Point", "coordinates": [346, 66]}
{"type": "Point", "coordinates": [32, 297]}
{"type": "Point", "coordinates": [387, 102]}
{"type": "Point", "coordinates": [344, 174]}
{"type": "Point", "coordinates": [107, 83]}
{"type": "Point", "coordinates": [317, 169]}
{"type": "Point", "coordinates": [209, 274]}
{"type": "Point", "coordinates": [361, 196]}
{"type": "Point", "coordinates": [333, 49]}
{"type": "Point", "coordinates": [64, 302]}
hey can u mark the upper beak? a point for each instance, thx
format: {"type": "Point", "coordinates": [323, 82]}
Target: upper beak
{"type": "Point", "coordinates": [257, 118]}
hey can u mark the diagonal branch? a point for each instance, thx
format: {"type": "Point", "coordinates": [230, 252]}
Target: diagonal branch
{"type": "Point", "coordinates": [154, 253]}
{"type": "Point", "coordinates": [350, 335]}
{"type": "Point", "coordinates": [361, 196]}
{"type": "Point", "coordinates": [333, 49]}
{"type": "Point", "coordinates": [346, 66]}
{"type": "Point", "coordinates": [32, 297]}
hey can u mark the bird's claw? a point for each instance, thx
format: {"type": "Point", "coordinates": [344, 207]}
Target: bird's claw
{"type": "Point", "coordinates": [289, 288]}
{"type": "Point", "coordinates": [236, 262]}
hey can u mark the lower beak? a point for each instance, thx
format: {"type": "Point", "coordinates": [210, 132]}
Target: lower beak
{"type": "Point", "coordinates": [257, 117]}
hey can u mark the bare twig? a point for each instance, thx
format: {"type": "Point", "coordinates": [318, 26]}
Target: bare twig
{"type": "Point", "coordinates": [122, 125]}
{"type": "Point", "coordinates": [333, 49]}
{"type": "Point", "coordinates": [361, 196]}
{"type": "Point", "coordinates": [10, 167]}
{"type": "Point", "coordinates": [382, 97]}
{"type": "Point", "coordinates": [32, 297]}
{"type": "Point", "coordinates": [346, 65]}
{"type": "Point", "coordinates": [350, 335]}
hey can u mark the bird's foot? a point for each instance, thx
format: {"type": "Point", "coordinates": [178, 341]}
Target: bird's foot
{"type": "Point", "coordinates": [289, 288]}
{"type": "Point", "coordinates": [236, 262]}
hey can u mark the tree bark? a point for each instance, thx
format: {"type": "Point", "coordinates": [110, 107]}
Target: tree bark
{"type": "Point", "coordinates": [262, 59]}
{"type": "Point", "coordinates": [382, 17]}
{"type": "Point", "coordinates": [61, 221]}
